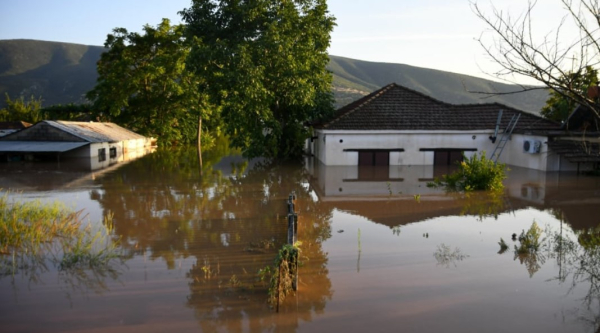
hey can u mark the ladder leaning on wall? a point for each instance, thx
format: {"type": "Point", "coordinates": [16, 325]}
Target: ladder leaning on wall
{"type": "Point", "coordinates": [505, 135]}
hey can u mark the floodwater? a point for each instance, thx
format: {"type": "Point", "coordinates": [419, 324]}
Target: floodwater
{"type": "Point", "coordinates": [381, 252]}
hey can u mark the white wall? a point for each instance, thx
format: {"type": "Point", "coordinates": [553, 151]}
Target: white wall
{"type": "Point", "coordinates": [331, 146]}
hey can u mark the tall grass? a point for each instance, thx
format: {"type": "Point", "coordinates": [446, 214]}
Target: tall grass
{"type": "Point", "coordinates": [33, 234]}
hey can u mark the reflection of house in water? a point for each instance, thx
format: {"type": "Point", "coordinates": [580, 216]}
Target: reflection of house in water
{"type": "Point", "coordinates": [389, 196]}
{"type": "Point", "coordinates": [85, 145]}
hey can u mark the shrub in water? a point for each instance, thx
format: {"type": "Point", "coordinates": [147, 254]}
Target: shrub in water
{"type": "Point", "coordinates": [474, 173]}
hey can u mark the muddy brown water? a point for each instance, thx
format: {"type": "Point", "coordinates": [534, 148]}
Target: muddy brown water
{"type": "Point", "coordinates": [379, 254]}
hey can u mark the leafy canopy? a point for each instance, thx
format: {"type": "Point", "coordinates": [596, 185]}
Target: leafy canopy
{"type": "Point", "coordinates": [143, 84]}
{"type": "Point", "coordinates": [264, 62]}
{"type": "Point", "coordinates": [561, 103]}
{"type": "Point", "coordinates": [21, 110]}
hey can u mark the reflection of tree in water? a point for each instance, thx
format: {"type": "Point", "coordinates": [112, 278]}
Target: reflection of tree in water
{"type": "Point", "coordinates": [577, 254]}
{"type": "Point", "coordinates": [232, 225]}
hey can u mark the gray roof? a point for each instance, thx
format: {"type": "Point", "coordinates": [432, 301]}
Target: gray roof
{"type": "Point", "coordinates": [395, 107]}
{"type": "Point", "coordinates": [95, 132]}
{"type": "Point", "coordinates": [39, 146]}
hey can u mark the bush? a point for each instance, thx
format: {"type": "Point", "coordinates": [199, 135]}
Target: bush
{"type": "Point", "coordinates": [474, 173]}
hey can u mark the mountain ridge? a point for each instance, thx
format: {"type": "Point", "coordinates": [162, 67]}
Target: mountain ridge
{"type": "Point", "coordinates": [62, 73]}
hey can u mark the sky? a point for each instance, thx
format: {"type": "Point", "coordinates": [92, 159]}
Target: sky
{"type": "Point", "coordinates": [437, 34]}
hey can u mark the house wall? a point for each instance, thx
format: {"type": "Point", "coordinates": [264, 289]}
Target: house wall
{"type": "Point", "coordinates": [332, 147]}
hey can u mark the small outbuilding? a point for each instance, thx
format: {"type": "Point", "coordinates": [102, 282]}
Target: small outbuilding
{"type": "Point", "coordinates": [399, 126]}
{"type": "Point", "coordinates": [102, 144]}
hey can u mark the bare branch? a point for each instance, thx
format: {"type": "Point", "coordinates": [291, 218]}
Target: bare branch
{"type": "Point", "coordinates": [547, 59]}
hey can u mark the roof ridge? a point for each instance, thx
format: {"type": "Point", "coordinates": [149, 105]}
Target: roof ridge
{"type": "Point", "coordinates": [360, 103]}
{"type": "Point", "coordinates": [54, 124]}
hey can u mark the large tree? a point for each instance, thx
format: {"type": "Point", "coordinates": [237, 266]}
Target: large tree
{"type": "Point", "coordinates": [144, 85]}
{"type": "Point", "coordinates": [553, 56]}
{"type": "Point", "coordinates": [264, 62]}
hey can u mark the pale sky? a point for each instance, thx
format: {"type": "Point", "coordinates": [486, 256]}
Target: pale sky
{"type": "Point", "coordinates": [437, 34]}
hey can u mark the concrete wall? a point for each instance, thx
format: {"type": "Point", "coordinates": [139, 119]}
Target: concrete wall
{"type": "Point", "coordinates": [330, 146]}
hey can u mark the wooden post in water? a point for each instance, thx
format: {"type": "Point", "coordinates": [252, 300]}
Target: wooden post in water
{"type": "Point", "coordinates": [293, 234]}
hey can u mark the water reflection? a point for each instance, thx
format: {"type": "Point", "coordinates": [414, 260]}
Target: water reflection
{"type": "Point", "coordinates": [230, 218]}
{"type": "Point", "coordinates": [198, 236]}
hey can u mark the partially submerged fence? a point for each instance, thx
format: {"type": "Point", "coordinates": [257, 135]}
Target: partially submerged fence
{"type": "Point", "coordinates": [292, 219]}
{"type": "Point", "coordinates": [288, 256]}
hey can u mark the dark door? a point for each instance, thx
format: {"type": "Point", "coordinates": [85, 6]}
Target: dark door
{"type": "Point", "coordinates": [378, 158]}
{"type": "Point", "coordinates": [373, 165]}
{"type": "Point", "coordinates": [447, 157]}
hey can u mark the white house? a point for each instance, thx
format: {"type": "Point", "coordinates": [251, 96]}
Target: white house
{"type": "Point", "coordinates": [96, 144]}
{"type": "Point", "coordinates": [397, 126]}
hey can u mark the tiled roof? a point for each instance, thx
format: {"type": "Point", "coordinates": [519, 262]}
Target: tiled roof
{"type": "Point", "coordinates": [395, 107]}
{"type": "Point", "coordinates": [576, 151]}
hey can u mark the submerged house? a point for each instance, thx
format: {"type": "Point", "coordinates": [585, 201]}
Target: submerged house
{"type": "Point", "coordinates": [397, 126]}
{"type": "Point", "coordinates": [8, 127]}
{"type": "Point", "coordinates": [94, 145]}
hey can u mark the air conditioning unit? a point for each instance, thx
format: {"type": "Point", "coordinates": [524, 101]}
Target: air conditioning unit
{"type": "Point", "coordinates": [532, 146]}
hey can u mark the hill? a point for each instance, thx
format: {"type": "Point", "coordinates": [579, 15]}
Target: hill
{"type": "Point", "coordinates": [355, 78]}
{"type": "Point", "coordinates": [62, 73]}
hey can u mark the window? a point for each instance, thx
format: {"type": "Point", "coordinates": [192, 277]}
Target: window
{"type": "Point", "coordinates": [447, 157]}
{"type": "Point", "coordinates": [101, 154]}
{"type": "Point", "coordinates": [379, 158]}
{"type": "Point", "coordinates": [112, 152]}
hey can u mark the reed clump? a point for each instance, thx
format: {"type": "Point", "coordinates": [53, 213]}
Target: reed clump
{"type": "Point", "coordinates": [31, 231]}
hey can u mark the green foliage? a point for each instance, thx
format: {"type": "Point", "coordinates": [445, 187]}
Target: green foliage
{"type": "Point", "coordinates": [560, 104]}
{"type": "Point", "coordinates": [483, 204]}
{"type": "Point", "coordinates": [144, 84]}
{"type": "Point", "coordinates": [32, 232]}
{"type": "Point", "coordinates": [264, 62]}
{"type": "Point", "coordinates": [21, 110]}
{"type": "Point", "coordinates": [529, 241]}
{"type": "Point", "coordinates": [474, 174]}
{"type": "Point", "coordinates": [74, 112]}
{"type": "Point", "coordinates": [284, 271]}
{"type": "Point", "coordinates": [503, 246]}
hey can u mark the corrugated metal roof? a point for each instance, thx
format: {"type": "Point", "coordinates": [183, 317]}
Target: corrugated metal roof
{"type": "Point", "coordinates": [39, 146]}
{"type": "Point", "coordinates": [95, 132]}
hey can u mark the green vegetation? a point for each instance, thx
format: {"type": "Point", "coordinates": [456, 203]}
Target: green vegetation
{"type": "Point", "coordinates": [264, 62]}
{"type": "Point", "coordinates": [474, 174]}
{"type": "Point", "coordinates": [22, 110]}
{"type": "Point", "coordinates": [144, 84]}
{"type": "Point", "coordinates": [60, 73]}
{"type": "Point", "coordinates": [282, 274]}
{"type": "Point", "coordinates": [33, 232]}
{"type": "Point", "coordinates": [529, 242]}
{"type": "Point", "coordinates": [31, 111]}
{"type": "Point", "coordinates": [503, 246]}
{"type": "Point", "coordinates": [561, 103]}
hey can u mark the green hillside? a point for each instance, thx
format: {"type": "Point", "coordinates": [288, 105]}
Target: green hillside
{"type": "Point", "coordinates": [356, 78]}
{"type": "Point", "coordinates": [62, 73]}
